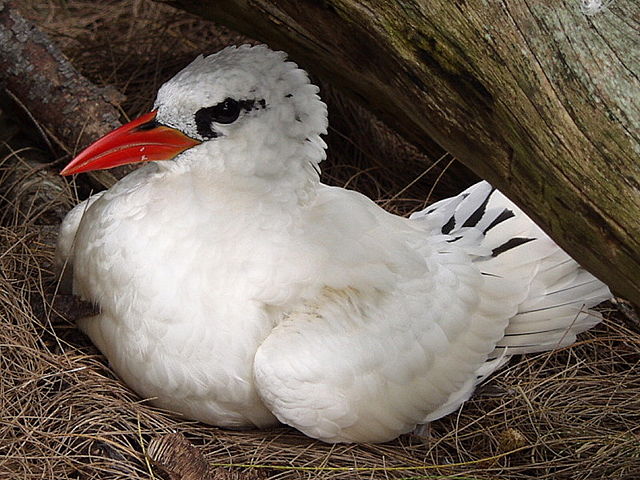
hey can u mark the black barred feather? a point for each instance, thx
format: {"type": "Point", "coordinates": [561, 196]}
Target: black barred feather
{"type": "Point", "coordinates": [508, 244]}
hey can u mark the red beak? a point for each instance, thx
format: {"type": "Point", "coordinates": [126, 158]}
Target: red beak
{"type": "Point", "coordinates": [138, 141]}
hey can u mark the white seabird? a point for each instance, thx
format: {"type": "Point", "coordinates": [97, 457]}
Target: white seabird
{"type": "Point", "coordinates": [238, 290]}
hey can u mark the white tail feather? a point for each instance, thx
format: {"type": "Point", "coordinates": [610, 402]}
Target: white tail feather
{"type": "Point", "coordinates": [508, 246]}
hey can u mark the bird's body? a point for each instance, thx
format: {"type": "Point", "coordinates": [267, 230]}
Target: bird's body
{"type": "Point", "coordinates": [238, 290]}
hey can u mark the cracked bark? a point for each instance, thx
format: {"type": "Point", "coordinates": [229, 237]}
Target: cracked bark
{"type": "Point", "coordinates": [537, 97]}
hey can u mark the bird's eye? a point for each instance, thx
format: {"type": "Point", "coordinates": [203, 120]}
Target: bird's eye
{"type": "Point", "coordinates": [225, 112]}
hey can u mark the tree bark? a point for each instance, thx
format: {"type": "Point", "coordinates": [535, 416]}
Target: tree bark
{"type": "Point", "coordinates": [541, 98]}
{"type": "Point", "coordinates": [57, 98]}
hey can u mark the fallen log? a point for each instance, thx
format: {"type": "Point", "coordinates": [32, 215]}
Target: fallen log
{"type": "Point", "coordinates": [540, 98]}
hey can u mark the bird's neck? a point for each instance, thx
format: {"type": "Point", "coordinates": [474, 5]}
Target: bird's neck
{"type": "Point", "coordinates": [269, 176]}
{"type": "Point", "coordinates": [282, 193]}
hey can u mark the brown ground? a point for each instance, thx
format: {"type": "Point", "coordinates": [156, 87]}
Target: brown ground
{"type": "Point", "coordinates": [571, 414]}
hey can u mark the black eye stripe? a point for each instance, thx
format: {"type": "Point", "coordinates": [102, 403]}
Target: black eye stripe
{"type": "Point", "coordinates": [225, 112]}
{"type": "Point", "coordinates": [203, 124]}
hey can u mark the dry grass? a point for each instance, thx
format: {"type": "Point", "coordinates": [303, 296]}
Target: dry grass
{"type": "Point", "coordinates": [572, 414]}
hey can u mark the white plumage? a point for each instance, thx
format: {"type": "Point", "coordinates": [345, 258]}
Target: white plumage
{"type": "Point", "coordinates": [238, 290]}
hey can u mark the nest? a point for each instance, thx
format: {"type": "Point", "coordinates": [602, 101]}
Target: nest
{"type": "Point", "coordinates": [571, 414]}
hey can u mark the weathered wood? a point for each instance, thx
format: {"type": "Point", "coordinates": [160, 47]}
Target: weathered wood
{"type": "Point", "coordinates": [58, 99]}
{"type": "Point", "coordinates": [539, 97]}
{"type": "Point", "coordinates": [174, 455]}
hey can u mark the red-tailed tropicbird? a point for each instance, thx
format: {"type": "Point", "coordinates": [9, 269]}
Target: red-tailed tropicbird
{"type": "Point", "coordinates": [238, 290]}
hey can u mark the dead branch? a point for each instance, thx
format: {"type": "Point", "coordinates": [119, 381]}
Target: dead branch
{"type": "Point", "coordinates": [58, 99]}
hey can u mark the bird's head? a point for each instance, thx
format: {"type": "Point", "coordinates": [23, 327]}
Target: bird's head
{"type": "Point", "coordinates": [244, 111]}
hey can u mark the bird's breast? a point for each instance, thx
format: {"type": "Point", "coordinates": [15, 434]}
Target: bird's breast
{"type": "Point", "coordinates": [183, 292]}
